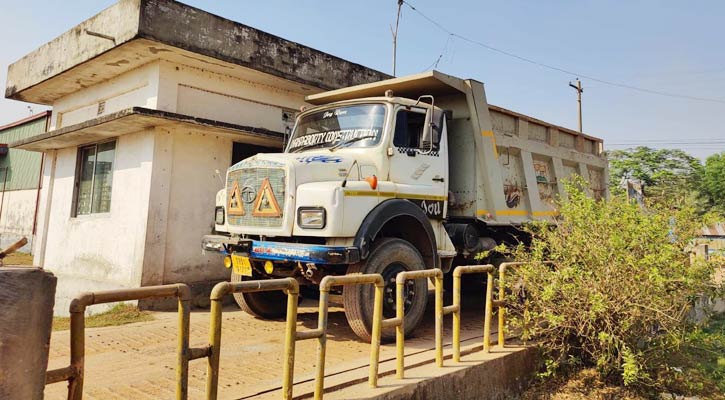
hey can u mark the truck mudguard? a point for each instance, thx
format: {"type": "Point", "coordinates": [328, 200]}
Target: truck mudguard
{"type": "Point", "coordinates": [398, 218]}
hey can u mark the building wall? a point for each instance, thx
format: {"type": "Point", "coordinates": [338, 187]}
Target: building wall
{"type": "Point", "coordinates": [99, 251]}
{"type": "Point", "coordinates": [193, 91]}
{"type": "Point", "coordinates": [19, 179]}
{"type": "Point", "coordinates": [183, 207]}
{"type": "Point", "coordinates": [16, 220]}
{"type": "Point", "coordinates": [137, 87]}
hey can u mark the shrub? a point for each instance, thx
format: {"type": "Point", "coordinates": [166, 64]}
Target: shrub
{"type": "Point", "coordinates": [619, 293]}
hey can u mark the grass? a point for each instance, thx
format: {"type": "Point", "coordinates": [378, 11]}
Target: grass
{"type": "Point", "coordinates": [18, 259]}
{"type": "Point", "coordinates": [120, 314]}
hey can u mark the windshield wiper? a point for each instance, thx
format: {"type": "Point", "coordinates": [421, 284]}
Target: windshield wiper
{"type": "Point", "coordinates": [350, 141]}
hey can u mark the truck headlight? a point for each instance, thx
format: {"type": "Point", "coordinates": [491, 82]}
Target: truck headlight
{"type": "Point", "coordinates": [219, 216]}
{"type": "Point", "coordinates": [311, 217]}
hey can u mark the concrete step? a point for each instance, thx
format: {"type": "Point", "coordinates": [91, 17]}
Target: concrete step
{"type": "Point", "coordinates": [421, 372]}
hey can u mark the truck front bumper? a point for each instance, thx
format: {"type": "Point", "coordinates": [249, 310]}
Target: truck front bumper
{"type": "Point", "coordinates": [281, 251]}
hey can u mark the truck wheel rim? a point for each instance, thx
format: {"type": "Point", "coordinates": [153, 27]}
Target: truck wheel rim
{"type": "Point", "coordinates": [389, 303]}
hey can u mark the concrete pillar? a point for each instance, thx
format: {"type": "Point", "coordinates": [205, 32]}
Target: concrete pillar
{"type": "Point", "coordinates": [27, 296]}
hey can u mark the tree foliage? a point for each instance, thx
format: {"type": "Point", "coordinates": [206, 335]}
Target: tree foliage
{"type": "Point", "coordinates": [668, 175]}
{"type": "Point", "coordinates": [713, 182]}
{"type": "Point", "coordinates": [619, 292]}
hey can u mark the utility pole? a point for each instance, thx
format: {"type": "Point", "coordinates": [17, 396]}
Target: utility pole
{"type": "Point", "coordinates": [579, 91]}
{"type": "Point", "coordinates": [395, 34]}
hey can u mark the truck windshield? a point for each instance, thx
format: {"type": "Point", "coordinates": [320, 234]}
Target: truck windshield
{"type": "Point", "coordinates": [347, 126]}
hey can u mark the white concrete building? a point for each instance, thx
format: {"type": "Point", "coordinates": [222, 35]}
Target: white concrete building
{"type": "Point", "coordinates": [20, 181]}
{"type": "Point", "coordinates": [151, 98]}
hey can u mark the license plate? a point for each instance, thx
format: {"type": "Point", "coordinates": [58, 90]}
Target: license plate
{"type": "Point", "coordinates": [241, 265]}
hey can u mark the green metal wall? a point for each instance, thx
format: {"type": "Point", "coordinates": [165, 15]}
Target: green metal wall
{"type": "Point", "coordinates": [23, 167]}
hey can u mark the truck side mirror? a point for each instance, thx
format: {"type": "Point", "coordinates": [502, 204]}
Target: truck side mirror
{"type": "Point", "coordinates": [431, 131]}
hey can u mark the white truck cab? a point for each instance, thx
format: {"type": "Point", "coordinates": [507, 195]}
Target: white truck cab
{"type": "Point", "coordinates": [368, 183]}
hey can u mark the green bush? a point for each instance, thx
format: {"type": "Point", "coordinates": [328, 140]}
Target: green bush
{"type": "Point", "coordinates": [619, 293]}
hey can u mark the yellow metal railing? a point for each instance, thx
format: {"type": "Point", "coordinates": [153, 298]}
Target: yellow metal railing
{"type": "Point", "coordinates": [456, 307]}
{"type": "Point", "coordinates": [399, 321]}
{"type": "Point", "coordinates": [288, 285]}
{"type": "Point", "coordinates": [321, 332]}
{"type": "Point", "coordinates": [75, 371]}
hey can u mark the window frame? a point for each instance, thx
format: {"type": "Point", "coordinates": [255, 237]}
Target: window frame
{"type": "Point", "coordinates": [414, 109]}
{"type": "Point", "coordinates": [77, 183]}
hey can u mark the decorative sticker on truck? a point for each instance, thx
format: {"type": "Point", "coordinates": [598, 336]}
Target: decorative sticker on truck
{"type": "Point", "coordinates": [319, 159]}
{"type": "Point", "coordinates": [336, 136]}
{"type": "Point", "coordinates": [279, 251]}
{"type": "Point", "coordinates": [512, 191]}
{"type": "Point", "coordinates": [432, 208]}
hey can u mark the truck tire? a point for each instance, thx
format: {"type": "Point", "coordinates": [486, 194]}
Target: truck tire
{"type": "Point", "coordinates": [265, 305]}
{"type": "Point", "coordinates": [388, 257]}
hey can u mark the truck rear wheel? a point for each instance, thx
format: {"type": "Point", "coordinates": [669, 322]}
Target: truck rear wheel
{"type": "Point", "coordinates": [388, 257]}
{"type": "Point", "coordinates": [265, 305]}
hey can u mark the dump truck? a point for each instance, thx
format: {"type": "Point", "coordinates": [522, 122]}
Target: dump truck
{"type": "Point", "coordinates": [410, 173]}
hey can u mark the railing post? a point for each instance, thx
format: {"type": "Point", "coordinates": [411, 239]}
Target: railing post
{"type": "Point", "coordinates": [321, 341]}
{"type": "Point", "coordinates": [182, 367]}
{"type": "Point", "coordinates": [377, 332]}
{"type": "Point", "coordinates": [77, 352]}
{"type": "Point", "coordinates": [457, 315]}
{"type": "Point", "coordinates": [400, 329]}
{"type": "Point", "coordinates": [487, 313]}
{"type": "Point", "coordinates": [215, 339]}
{"type": "Point", "coordinates": [439, 317]}
{"type": "Point", "coordinates": [289, 342]}
{"type": "Point", "coordinates": [501, 305]}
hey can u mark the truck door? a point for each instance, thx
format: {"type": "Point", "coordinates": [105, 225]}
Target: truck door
{"type": "Point", "coordinates": [418, 165]}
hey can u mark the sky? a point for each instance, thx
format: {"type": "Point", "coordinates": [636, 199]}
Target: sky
{"type": "Point", "coordinates": [665, 46]}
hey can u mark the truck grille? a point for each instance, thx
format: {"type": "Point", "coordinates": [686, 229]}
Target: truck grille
{"type": "Point", "coordinates": [249, 182]}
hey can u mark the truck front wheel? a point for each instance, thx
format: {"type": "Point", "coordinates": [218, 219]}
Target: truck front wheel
{"type": "Point", "coordinates": [388, 257]}
{"type": "Point", "coordinates": [265, 305]}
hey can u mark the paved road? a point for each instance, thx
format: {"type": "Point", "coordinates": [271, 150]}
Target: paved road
{"type": "Point", "coordinates": [137, 360]}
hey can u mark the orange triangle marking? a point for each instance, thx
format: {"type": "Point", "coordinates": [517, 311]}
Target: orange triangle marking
{"type": "Point", "coordinates": [265, 205]}
{"type": "Point", "coordinates": [234, 205]}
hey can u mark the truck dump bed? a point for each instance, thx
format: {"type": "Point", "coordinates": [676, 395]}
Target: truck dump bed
{"type": "Point", "coordinates": [504, 167]}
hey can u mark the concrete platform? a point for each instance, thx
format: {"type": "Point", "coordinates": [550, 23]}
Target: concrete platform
{"type": "Point", "coordinates": [500, 374]}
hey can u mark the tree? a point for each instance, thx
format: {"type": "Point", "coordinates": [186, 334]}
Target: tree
{"type": "Point", "coordinates": [713, 182]}
{"type": "Point", "coordinates": [669, 176]}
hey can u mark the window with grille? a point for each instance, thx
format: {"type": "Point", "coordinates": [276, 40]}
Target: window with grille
{"type": "Point", "coordinates": [94, 177]}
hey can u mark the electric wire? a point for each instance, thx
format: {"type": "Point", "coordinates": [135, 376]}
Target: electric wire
{"type": "Point", "coordinates": [558, 69]}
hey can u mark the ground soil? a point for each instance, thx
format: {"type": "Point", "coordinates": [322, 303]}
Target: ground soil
{"type": "Point", "coordinates": [583, 385]}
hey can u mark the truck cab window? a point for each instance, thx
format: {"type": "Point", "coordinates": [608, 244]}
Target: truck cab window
{"type": "Point", "coordinates": [408, 128]}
